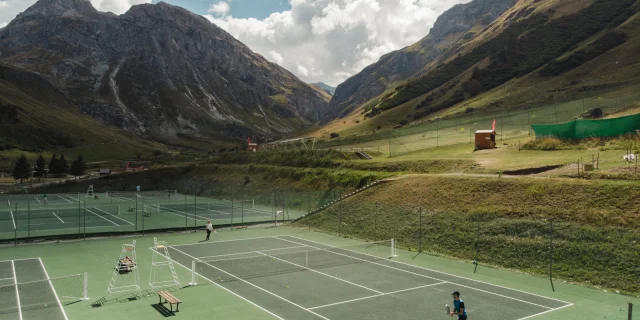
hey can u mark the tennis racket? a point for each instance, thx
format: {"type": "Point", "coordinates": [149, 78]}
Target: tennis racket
{"type": "Point", "coordinates": [446, 307]}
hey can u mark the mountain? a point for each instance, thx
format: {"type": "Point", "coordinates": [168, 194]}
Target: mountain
{"type": "Point", "coordinates": [490, 56]}
{"type": "Point", "coordinates": [157, 71]}
{"type": "Point", "coordinates": [331, 90]}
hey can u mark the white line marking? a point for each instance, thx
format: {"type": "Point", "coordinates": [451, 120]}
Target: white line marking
{"type": "Point", "coordinates": [422, 275]}
{"type": "Point", "coordinates": [112, 215]}
{"type": "Point", "coordinates": [57, 217]}
{"type": "Point", "coordinates": [378, 295]}
{"type": "Point", "coordinates": [448, 274]}
{"type": "Point", "coordinates": [122, 198]}
{"type": "Point", "coordinates": [228, 290]}
{"type": "Point", "coordinates": [257, 287]}
{"type": "Point", "coordinates": [102, 217]}
{"type": "Point", "coordinates": [182, 214]}
{"type": "Point", "coordinates": [213, 210]}
{"type": "Point", "coordinates": [12, 219]}
{"type": "Point", "coordinates": [219, 241]}
{"type": "Point", "coordinates": [322, 273]}
{"type": "Point", "coordinates": [239, 253]}
{"type": "Point", "coordinates": [5, 279]}
{"type": "Point", "coordinates": [18, 260]}
{"type": "Point", "coordinates": [37, 199]}
{"type": "Point", "coordinates": [72, 198]}
{"type": "Point", "coordinates": [67, 200]}
{"type": "Point", "coordinates": [54, 289]}
{"type": "Point", "coordinates": [15, 282]}
{"type": "Point", "coordinates": [541, 313]}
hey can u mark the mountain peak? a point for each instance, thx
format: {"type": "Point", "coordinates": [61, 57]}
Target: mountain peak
{"type": "Point", "coordinates": [61, 8]}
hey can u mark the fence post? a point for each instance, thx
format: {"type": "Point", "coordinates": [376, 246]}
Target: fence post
{"type": "Point", "coordinates": [79, 212]}
{"type": "Point", "coordinates": [551, 254]}
{"type": "Point", "coordinates": [475, 261]}
{"type": "Point", "coordinates": [15, 227]}
{"type": "Point", "coordinates": [375, 222]}
{"type": "Point", "coordinates": [421, 232]}
{"type": "Point", "coordinates": [630, 311]}
{"type": "Point", "coordinates": [136, 225]}
{"type": "Point", "coordinates": [84, 219]}
{"type": "Point", "coordinates": [340, 215]}
{"type": "Point", "coordinates": [28, 220]}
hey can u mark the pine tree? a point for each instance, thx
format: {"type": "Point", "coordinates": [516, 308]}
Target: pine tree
{"type": "Point", "coordinates": [22, 169]}
{"type": "Point", "coordinates": [63, 165]}
{"type": "Point", "coordinates": [54, 167]}
{"type": "Point", "coordinates": [78, 166]}
{"type": "Point", "coordinates": [40, 168]}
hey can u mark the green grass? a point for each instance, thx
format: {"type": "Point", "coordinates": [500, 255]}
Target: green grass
{"type": "Point", "coordinates": [596, 233]}
{"type": "Point", "coordinates": [99, 256]}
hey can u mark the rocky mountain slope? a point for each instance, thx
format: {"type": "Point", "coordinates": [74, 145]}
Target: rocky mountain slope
{"type": "Point", "coordinates": [508, 56]}
{"type": "Point", "coordinates": [157, 71]}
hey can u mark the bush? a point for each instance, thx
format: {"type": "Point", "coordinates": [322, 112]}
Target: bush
{"type": "Point", "coordinates": [334, 135]}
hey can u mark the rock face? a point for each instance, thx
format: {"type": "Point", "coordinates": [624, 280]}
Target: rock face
{"type": "Point", "coordinates": [158, 71]}
{"type": "Point", "coordinates": [449, 31]}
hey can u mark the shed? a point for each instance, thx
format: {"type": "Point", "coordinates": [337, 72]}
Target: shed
{"type": "Point", "coordinates": [104, 172]}
{"type": "Point", "coordinates": [252, 147]}
{"type": "Point", "coordinates": [485, 139]}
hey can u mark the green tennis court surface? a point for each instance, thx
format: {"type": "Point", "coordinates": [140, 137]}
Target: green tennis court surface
{"type": "Point", "coordinates": [282, 273]}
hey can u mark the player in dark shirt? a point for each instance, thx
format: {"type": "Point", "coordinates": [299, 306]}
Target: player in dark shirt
{"type": "Point", "coordinates": [458, 306]}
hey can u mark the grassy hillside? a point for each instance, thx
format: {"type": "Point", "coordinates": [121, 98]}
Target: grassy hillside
{"type": "Point", "coordinates": [595, 236]}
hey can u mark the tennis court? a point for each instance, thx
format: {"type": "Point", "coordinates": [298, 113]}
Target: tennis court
{"type": "Point", "coordinates": [27, 292]}
{"type": "Point", "coordinates": [293, 278]}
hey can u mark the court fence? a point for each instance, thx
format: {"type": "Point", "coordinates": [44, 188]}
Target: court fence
{"type": "Point", "coordinates": [27, 217]}
{"type": "Point", "coordinates": [603, 256]}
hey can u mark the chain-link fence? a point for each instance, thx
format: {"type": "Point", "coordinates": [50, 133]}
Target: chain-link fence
{"type": "Point", "coordinates": [604, 256]}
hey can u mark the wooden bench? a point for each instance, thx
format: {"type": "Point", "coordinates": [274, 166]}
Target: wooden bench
{"type": "Point", "coordinates": [169, 298]}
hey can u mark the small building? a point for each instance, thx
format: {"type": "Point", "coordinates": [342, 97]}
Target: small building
{"type": "Point", "coordinates": [485, 139]}
{"type": "Point", "coordinates": [105, 172]}
{"type": "Point", "coordinates": [252, 147]}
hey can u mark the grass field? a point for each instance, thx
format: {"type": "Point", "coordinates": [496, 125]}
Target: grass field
{"type": "Point", "coordinates": [406, 287]}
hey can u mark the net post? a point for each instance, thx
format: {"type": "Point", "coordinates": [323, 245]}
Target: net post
{"type": "Point", "coordinates": [393, 248]}
{"type": "Point", "coordinates": [85, 287]}
{"type": "Point", "coordinates": [193, 274]}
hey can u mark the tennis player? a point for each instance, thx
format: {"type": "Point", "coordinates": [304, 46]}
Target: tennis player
{"type": "Point", "coordinates": [209, 229]}
{"type": "Point", "coordinates": [45, 198]}
{"type": "Point", "coordinates": [458, 306]}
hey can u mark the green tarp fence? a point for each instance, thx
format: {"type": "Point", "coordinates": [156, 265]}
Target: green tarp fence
{"type": "Point", "coordinates": [579, 129]}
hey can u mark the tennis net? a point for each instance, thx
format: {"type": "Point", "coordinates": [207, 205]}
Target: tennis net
{"type": "Point", "coordinates": [263, 263]}
{"type": "Point", "coordinates": [40, 294]}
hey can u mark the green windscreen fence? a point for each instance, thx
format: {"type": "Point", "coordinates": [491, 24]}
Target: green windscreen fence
{"type": "Point", "coordinates": [579, 129]}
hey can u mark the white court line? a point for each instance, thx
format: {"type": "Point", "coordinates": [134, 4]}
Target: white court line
{"type": "Point", "coordinates": [54, 289]}
{"type": "Point", "coordinates": [239, 253]}
{"type": "Point", "coordinates": [207, 209]}
{"type": "Point", "coordinates": [448, 274]}
{"type": "Point", "coordinates": [218, 241]}
{"type": "Point", "coordinates": [12, 219]}
{"type": "Point", "coordinates": [378, 295]}
{"type": "Point", "coordinates": [18, 260]}
{"type": "Point", "coordinates": [220, 286]}
{"type": "Point", "coordinates": [103, 217]}
{"type": "Point", "coordinates": [57, 217]}
{"type": "Point", "coordinates": [123, 198]}
{"type": "Point", "coordinates": [544, 312]}
{"type": "Point", "coordinates": [5, 279]}
{"type": "Point", "coordinates": [322, 273]}
{"type": "Point", "coordinates": [15, 282]}
{"type": "Point", "coordinates": [37, 199]}
{"type": "Point", "coordinates": [257, 287]}
{"type": "Point", "coordinates": [113, 215]}
{"type": "Point", "coordinates": [418, 274]}
{"type": "Point", "coordinates": [72, 198]}
{"type": "Point", "coordinates": [183, 213]}
{"type": "Point", "coordinates": [65, 199]}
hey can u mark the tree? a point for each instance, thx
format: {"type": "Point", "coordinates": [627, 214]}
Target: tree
{"type": "Point", "coordinates": [63, 165]}
{"type": "Point", "coordinates": [21, 169]}
{"type": "Point", "coordinates": [54, 168]}
{"type": "Point", "coordinates": [78, 167]}
{"type": "Point", "coordinates": [40, 168]}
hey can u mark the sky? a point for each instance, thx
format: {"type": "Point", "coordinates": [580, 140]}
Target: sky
{"type": "Point", "coordinates": [317, 40]}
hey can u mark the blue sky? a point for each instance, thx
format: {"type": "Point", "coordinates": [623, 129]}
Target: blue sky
{"type": "Point", "coordinates": [258, 9]}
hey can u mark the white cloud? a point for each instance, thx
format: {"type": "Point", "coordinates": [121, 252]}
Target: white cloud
{"type": "Point", "coordinates": [221, 8]}
{"type": "Point", "coordinates": [3, 24]}
{"type": "Point", "coordinates": [116, 6]}
{"type": "Point", "coordinates": [330, 40]}
{"type": "Point", "coordinates": [276, 57]}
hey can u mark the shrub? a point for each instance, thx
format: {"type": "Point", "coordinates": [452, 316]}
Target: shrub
{"type": "Point", "coordinates": [334, 135]}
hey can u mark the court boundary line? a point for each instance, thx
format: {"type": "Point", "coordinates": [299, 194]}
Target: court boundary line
{"type": "Point", "coordinates": [52, 288]}
{"type": "Point", "coordinates": [219, 241]}
{"type": "Point", "coordinates": [545, 312]}
{"type": "Point", "coordinates": [117, 225]}
{"type": "Point", "coordinates": [13, 219]}
{"type": "Point", "coordinates": [15, 283]}
{"type": "Point", "coordinates": [378, 295]}
{"type": "Point", "coordinates": [441, 272]}
{"type": "Point", "coordinates": [96, 208]}
{"type": "Point", "coordinates": [226, 289]}
{"type": "Point", "coordinates": [121, 198]}
{"type": "Point", "coordinates": [36, 197]}
{"type": "Point", "coordinates": [54, 213]}
{"type": "Point", "coordinates": [187, 214]}
{"type": "Point", "coordinates": [422, 275]}
{"type": "Point", "coordinates": [246, 252]}
{"type": "Point", "coordinates": [5, 279]}
{"type": "Point", "coordinates": [18, 259]}
{"type": "Point", "coordinates": [256, 286]}
{"type": "Point", "coordinates": [322, 273]}
{"type": "Point", "coordinates": [65, 199]}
